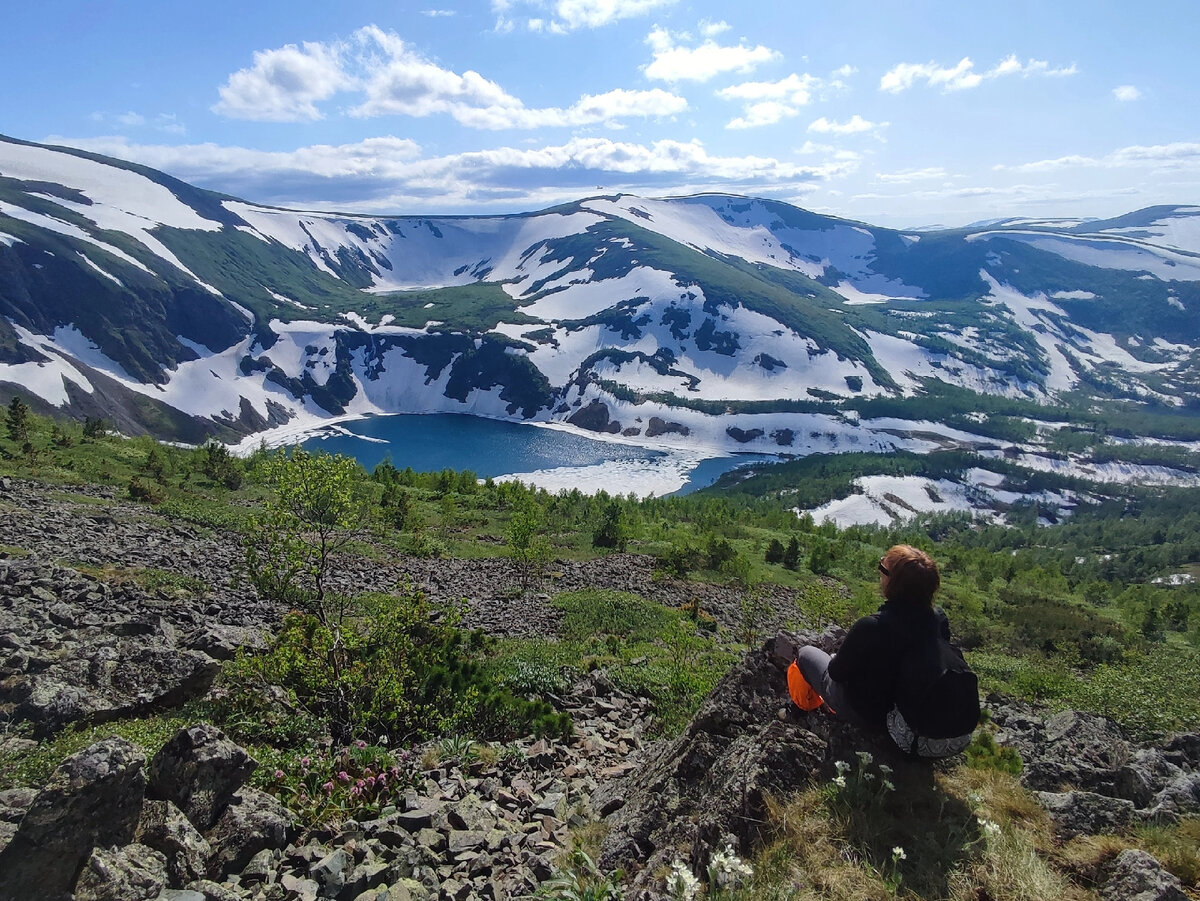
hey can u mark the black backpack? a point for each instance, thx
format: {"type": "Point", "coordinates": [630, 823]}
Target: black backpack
{"type": "Point", "coordinates": [937, 699]}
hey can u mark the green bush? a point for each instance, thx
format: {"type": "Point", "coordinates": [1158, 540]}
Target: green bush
{"type": "Point", "coordinates": [591, 613]}
{"type": "Point", "coordinates": [150, 492]}
{"type": "Point", "coordinates": [389, 669]}
{"type": "Point", "coordinates": [984, 754]}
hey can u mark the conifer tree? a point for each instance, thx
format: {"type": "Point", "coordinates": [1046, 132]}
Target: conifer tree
{"type": "Point", "coordinates": [18, 421]}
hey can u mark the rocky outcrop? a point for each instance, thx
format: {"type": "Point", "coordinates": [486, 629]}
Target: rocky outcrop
{"type": "Point", "coordinates": [1137, 876]}
{"type": "Point", "coordinates": [1091, 778]}
{"type": "Point", "coordinates": [93, 800]}
{"type": "Point", "coordinates": [199, 770]}
{"type": "Point", "coordinates": [194, 829]}
{"type": "Point", "coordinates": [73, 651]}
{"type": "Point", "coordinates": [709, 786]}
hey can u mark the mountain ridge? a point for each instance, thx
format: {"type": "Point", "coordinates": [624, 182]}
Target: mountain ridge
{"type": "Point", "coordinates": [242, 318]}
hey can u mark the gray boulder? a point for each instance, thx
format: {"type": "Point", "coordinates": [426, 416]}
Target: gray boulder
{"type": "Point", "coordinates": [1080, 812]}
{"type": "Point", "coordinates": [199, 770]}
{"type": "Point", "coordinates": [93, 799]}
{"type": "Point", "coordinates": [132, 873]}
{"type": "Point", "coordinates": [1137, 876]}
{"type": "Point", "coordinates": [253, 821]}
{"type": "Point", "coordinates": [1076, 749]}
{"type": "Point", "coordinates": [164, 828]}
{"type": "Point", "coordinates": [1180, 798]}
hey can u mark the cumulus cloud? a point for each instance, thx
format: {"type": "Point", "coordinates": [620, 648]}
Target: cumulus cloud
{"type": "Point", "coordinates": [565, 16]}
{"type": "Point", "coordinates": [856, 124]}
{"type": "Point", "coordinates": [963, 75]}
{"type": "Point", "coordinates": [674, 62]}
{"type": "Point", "coordinates": [285, 85]}
{"type": "Point", "coordinates": [390, 78]}
{"type": "Point", "coordinates": [768, 102]}
{"type": "Point", "coordinates": [1127, 93]}
{"type": "Point", "coordinates": [391, 175]}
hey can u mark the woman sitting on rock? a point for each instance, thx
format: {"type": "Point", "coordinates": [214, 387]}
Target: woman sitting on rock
{"type": "Point", "coordinates": [891, 670]}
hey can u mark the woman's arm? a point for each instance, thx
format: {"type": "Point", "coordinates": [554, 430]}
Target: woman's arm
{"type": "Point", "coordinates": [859, 648]}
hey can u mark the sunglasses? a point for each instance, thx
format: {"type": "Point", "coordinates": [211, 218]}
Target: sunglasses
{"type": "Point", "coordinates": [883, 569]}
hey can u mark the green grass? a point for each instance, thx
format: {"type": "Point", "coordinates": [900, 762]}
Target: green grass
{"type": "Point", "coordinates": [34, 766]}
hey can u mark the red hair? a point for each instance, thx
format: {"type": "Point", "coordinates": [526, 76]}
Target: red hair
{"type": "Point", "coordinates": [910, 576]}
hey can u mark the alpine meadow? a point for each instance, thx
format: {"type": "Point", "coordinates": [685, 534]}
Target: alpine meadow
{"type": "Point", "coordinates": [774, 343]}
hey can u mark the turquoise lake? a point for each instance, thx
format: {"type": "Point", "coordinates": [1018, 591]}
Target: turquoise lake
{"type": "Point", "coordinates": [490, 447]}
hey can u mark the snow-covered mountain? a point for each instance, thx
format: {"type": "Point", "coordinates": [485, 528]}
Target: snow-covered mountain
{"type": "Point", "coordinates": [725, 320]}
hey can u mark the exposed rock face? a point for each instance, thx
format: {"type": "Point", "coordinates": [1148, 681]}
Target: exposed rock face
{"type": "Point", "coordinates": [164, 828]}
{"type": "Point", "coordinates": [199, 770]}
{"type": "Point", "coordinates": [1085, 813]}
{"type": "Point", "coordinates": [1139, 877]}
{"type": "Point", "coordinates": [709, 786]}
{"type": "Point", "coordinates": [1091, 778]}
{"type": "Point", "coordinates": [251, 822]}
{"type": "Point", "coordinates": [94, 799]}
{"type": "Point", "coordinates": [73, 650]}
{"type": "Point", "coordinates": [132, 873]}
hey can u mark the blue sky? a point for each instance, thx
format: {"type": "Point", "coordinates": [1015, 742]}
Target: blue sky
{"type": "Point", "coordinates": [902, 114]}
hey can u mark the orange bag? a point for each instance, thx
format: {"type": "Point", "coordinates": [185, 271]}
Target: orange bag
{"type": "Point", "coordinates": [802, 693]}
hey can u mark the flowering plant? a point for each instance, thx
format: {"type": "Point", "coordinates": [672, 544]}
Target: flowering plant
{"type": "Point", "coordinates": [357, 781]}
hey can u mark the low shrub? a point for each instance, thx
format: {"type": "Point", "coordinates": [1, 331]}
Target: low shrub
{"type": "Point", "coordinates": [394, 667]}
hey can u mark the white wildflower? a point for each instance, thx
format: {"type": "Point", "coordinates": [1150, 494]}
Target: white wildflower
{"type": "Point", "coordinates": [681, 883]}
{"type": "Point", "coordinates": [898, 853]}
{"type": "Point", "coordinates": [990, 828]}
{"type": "Point", "coordinates": [839, 781]}
{"type": "Point", "coordinates": [887, 785]}
{"type": "Point", "coordinates": [885, 769]}
{"type": "Point", "coordinates": [727, 870]}
{"type": "Point", "coordinates": [842, 766]}
{"type": "Point", "coordinates": [864, 757]}
{"type": "Point", "coordinates": [975, 799]}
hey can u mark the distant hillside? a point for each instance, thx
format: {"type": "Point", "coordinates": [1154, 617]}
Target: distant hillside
{"type": "Point", "coordinates": [731, 321]}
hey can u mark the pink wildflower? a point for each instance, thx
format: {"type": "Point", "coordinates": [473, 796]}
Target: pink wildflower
{"type": "Point", "coordinates": [360, 744]}
{"type": "Point", "coordinates": [279, 774]}
{"type": "Point", "coordinates": [343, 776]}
{"type": "Point", "coordinates": [327, 787]}
{"type": "Point", "coordinates": [306, 762]}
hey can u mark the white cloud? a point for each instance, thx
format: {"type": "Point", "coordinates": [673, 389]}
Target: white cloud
{"type": "Point", "coordinates": [795, 89]}
{"type": "Point", "coordinates": [439, 13]}
{"type": "Point", "coordinates": [392, 79]}
{"type": "Point", "coordinates": [1163, 155]}
{"type": "Point", "coordinates": [1127, 93]}
{"type": "Point", "coordinates": [284, 85]}
{"type": "Point", "coordinates": [673, 62]}
{"type": "Point", "coordinates": [390, 174]}
{"type": "Point", "coordinates": [165, 122]}
{"type": "Point", "coordinates": [711, 29]}
{"type": "Point", "coordinates": [910, 175]}
{"type": "Point", "coordinates": [855, 125]}
{"type": "Point", "coordinates": [768, 102]}
{"type": "Point", "coordinates": [963, 75]}
{"type": "Point", "coordinates": [844, 71]}
{"type": "Point", "coordinates": [571, 15]}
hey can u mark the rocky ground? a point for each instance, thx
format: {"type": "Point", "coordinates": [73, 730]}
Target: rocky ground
{"type": "Point", "coordinates": [186, 826]}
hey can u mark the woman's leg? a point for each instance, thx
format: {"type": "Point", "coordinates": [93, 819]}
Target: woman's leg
{"type": "Point", "coordinates": [814, 666]}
